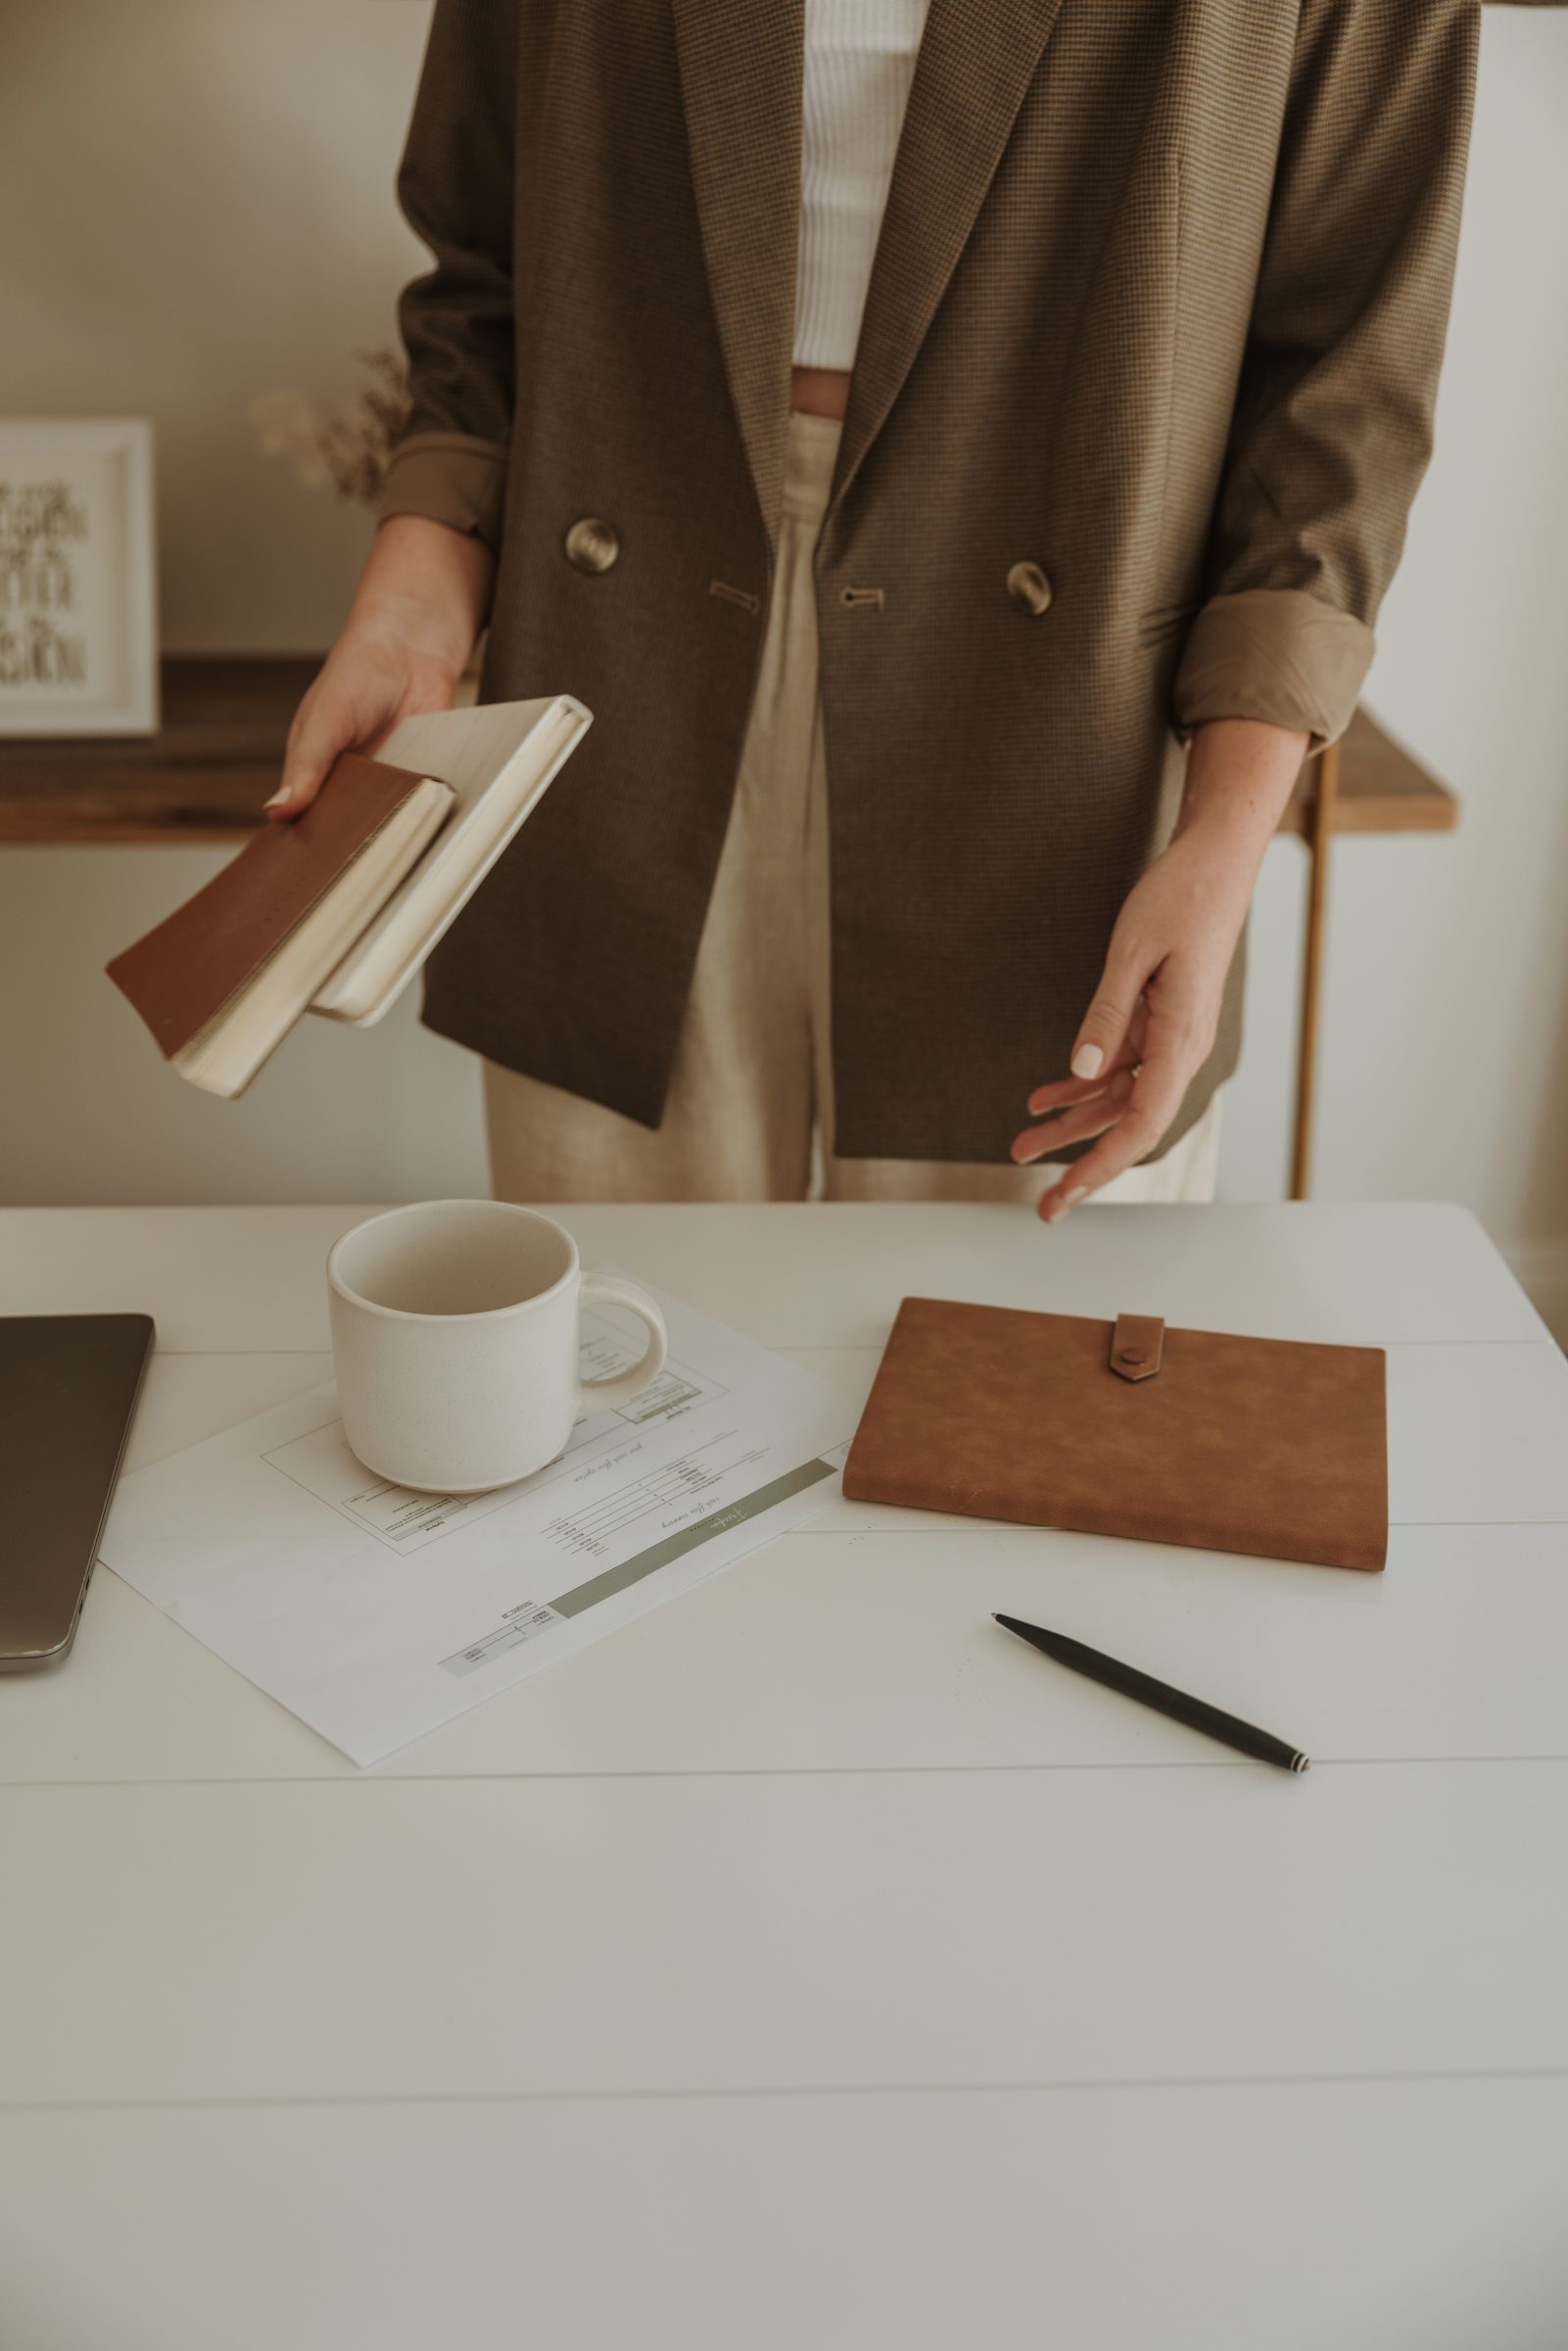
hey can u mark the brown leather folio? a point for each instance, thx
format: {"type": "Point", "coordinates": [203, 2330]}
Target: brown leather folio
{"type": "Point", "coordinates": [1268, 1446]}
{"type": "Point", "coordinates": [181, 975]}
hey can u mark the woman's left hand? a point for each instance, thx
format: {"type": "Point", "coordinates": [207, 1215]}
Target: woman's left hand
{"type": "Point", "coordinates": [1152, 1024]}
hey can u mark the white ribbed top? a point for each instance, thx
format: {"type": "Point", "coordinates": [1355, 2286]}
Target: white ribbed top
{"type": "Point", "coordinates": [860, 61]}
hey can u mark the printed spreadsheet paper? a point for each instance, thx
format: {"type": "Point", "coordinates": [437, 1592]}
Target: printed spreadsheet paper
{"type": "Point", "coordinates": [377, 1615]}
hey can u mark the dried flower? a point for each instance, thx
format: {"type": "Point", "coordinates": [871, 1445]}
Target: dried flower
{"type": "Point", "coordinates": [349, 446]}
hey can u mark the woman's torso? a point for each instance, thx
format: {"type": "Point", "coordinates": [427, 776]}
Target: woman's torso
{"type": "Point", "coordinates": [1043, 388]}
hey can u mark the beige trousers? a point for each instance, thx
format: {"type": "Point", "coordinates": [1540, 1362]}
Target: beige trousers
{"type": "Point", "coordinates": [749, 1114]}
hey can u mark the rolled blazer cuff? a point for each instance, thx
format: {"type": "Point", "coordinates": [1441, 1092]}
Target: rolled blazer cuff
{"type": "Point", "coordinates": [1277, 654]}
{"type": "Point", "coordinates": [452, 478]}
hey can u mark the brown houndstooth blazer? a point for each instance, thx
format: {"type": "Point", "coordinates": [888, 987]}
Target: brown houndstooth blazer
{"type": "Point", "coordinates": [1159, 306]}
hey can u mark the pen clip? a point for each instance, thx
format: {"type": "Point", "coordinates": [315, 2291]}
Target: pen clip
{"type": "Point", "coordinates": [1137, 1346]}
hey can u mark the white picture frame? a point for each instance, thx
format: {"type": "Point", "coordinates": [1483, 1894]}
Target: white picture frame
{"type": "Point", "coordinates": [78, 612]}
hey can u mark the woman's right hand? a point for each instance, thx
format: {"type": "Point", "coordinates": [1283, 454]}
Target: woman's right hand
{"type": "Point", "coordinates": [419, 608]}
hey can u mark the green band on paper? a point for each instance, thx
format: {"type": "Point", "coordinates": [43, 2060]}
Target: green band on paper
{"type": "Point", "coordinates": [723, 1522]}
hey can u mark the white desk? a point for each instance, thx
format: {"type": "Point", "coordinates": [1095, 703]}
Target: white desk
{"type": "Point", "coordinates": [809, 1967]}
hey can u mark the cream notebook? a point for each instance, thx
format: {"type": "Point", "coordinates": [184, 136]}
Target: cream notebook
{"type": "Point", "coordinates": [499, 760]}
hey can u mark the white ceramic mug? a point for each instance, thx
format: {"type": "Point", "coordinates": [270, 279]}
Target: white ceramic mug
{"type": "Point", "coordinates": [454, 1334]}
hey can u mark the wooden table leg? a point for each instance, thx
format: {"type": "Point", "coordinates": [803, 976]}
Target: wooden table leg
{"type": "Point", "coordinates": [1319, 833]}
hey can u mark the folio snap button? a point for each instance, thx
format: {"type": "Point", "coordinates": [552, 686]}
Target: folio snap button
{"type": "Point", "coordinates": [1029, 589]}
{"type": "Point", "coordinates": [592, 545]}
{"type": "Point", "coordinates": [1137, 1346]}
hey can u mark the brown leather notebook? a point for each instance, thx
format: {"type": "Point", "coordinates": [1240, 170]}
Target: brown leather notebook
{"type": "Point", "coordinates": [181, 975]}
{"type": "Point", "coordinates": [1268, 1446]}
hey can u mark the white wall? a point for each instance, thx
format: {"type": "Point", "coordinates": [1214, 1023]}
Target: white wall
{"type": "Point", "coordinates": [205, 194]}
{"type": "Point", "coordinates": [198, 199]}
{"type": "Point", "coordinates": [198, 206]}
{"type": "Point", "coordinates": [1445, 1039]}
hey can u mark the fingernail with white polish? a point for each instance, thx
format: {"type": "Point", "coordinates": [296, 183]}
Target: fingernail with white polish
{"type": "Point", "coordinates": [1087, 1062]}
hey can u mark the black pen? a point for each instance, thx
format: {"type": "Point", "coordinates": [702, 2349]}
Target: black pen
{"type": "Point", "coordinates": [1211, 1720]}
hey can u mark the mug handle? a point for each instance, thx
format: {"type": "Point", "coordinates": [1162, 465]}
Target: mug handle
{"type": "Point", "coordinates": [607, 1395]}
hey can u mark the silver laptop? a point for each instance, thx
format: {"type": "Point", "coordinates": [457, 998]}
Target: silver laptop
{"type": "Point", "coordinates": [69, 1385]}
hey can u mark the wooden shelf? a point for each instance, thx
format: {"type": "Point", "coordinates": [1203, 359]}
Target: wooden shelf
{"type": "Point", "coordinates": [1382, 788]}
{"type": "Point", "coordinates": [202, 779]}
{"type": "Point", "coordinates": [225, 717]}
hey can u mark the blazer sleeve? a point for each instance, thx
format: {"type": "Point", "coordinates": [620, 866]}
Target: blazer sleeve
{"type": "Point", "coordinates": [456, 187]}
{"type": "Point", "coordinates": [1332, 427]}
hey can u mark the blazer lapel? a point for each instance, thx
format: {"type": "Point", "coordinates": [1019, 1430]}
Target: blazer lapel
{"type": "Point", "coordinates": [741, 66]}
{"type": "Point", "coordinates": [975, 62]}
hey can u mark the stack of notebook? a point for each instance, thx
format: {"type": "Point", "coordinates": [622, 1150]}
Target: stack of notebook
{"type": "Point", "coordinates": [336, 911]}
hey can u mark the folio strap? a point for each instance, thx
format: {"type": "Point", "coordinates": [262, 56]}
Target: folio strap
{"type": "Point", "coordinates": [1137, 1344]}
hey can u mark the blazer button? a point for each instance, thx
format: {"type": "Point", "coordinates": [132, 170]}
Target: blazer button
{"type": "Point", "coordinates": [1029, 589]}
{"type": "Point", "coordinates": [592, 545]}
